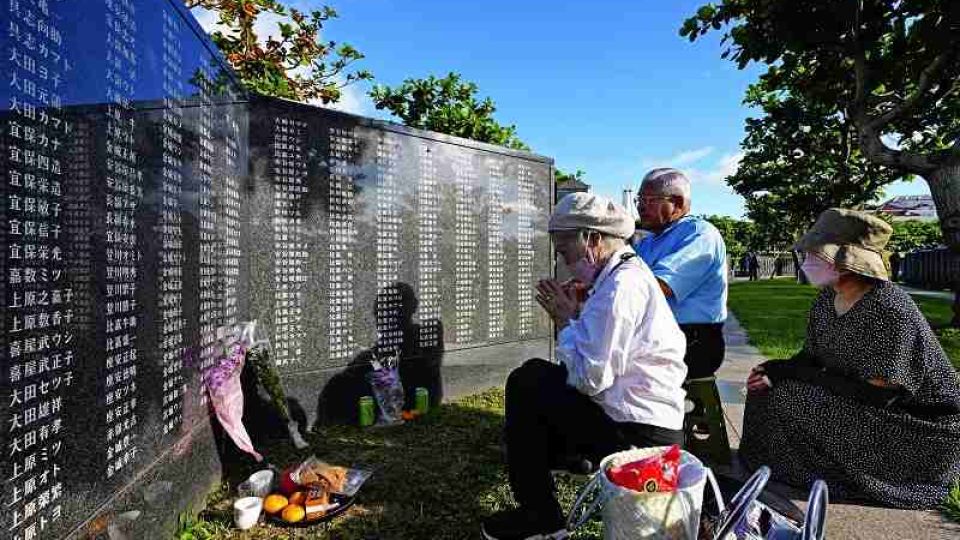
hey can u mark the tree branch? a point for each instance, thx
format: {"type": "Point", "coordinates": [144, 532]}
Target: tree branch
{"type": "Point", "coordinates": [859, 105]}
{"type": "Point", "coordinates": [869, 130]}
{"type": "Point", "coordinates": [927, 78]}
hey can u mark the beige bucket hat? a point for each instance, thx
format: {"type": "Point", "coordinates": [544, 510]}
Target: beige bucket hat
{"type": "Point", "coordinates": [853, 240]}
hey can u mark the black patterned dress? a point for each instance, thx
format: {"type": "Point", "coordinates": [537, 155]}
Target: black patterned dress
{"type": "Point", "coordinates": [899, 450]}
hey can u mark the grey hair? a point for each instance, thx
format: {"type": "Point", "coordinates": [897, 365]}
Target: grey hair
{"type": "Point", "coordinates": [667, 181]}
{"type": "Point", "coordinates": [609, 242]}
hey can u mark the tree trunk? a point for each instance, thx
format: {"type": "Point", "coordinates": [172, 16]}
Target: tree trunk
{"type": "Point", "coordinates": [945, 188]}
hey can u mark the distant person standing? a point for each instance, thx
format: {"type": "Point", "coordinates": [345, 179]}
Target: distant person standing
{"type": "Point", "coordinates": [753, 266]}
{"type": "Point", "coordinates": [689, 259]}
{"type": "Point", "coordinates": [895, 260]}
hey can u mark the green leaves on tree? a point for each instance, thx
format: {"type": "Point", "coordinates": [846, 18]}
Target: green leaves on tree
{"type": "Point", "coordinates": [297, 66]}
{"type": "Point", "coordinates": [877, 82]}
{"type": "Point", "coordinates": [448, 105]}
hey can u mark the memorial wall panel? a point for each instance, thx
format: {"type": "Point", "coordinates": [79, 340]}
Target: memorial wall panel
{"type": "Point", "coordinates": [149, 205]}
{"type": "Point", "coordinates": [346, 212]}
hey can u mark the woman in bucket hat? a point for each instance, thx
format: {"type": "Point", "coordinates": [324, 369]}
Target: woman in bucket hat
{"type": "Point", "coordinates": [871, 404]}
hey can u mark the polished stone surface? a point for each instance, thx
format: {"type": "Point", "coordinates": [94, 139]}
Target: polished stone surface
{"type": "Point", "coordinates": [150, 205]}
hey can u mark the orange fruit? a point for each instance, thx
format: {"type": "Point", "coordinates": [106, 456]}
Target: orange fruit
{"type": "Point", "coordinates": [293, 513]}
{"type": "Point", "coordinates": [298, 497]}
{"type": "Point", "coordinates": [274, 503]}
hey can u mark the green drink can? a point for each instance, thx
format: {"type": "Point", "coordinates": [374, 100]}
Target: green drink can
{"type": "Point", "coordinates": [366, 411]}
{"type": "Point", "coordinates": [423, 400]}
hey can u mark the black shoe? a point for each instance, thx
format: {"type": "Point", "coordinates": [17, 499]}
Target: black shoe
{"type": "Point", "coordinates": [518, 524]}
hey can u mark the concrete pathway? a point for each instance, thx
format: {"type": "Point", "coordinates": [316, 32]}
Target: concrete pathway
{"type": "Point", "coordinates": [944, 295]}
{"type": "Point", "coordinates": [844, 521]}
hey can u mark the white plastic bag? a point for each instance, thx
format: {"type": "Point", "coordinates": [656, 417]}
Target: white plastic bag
{"type": "Point", "coordinates": [634, 515]}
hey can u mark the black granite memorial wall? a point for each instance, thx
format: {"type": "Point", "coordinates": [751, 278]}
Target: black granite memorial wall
{"type": "Point", "coordinates": [149, 205]}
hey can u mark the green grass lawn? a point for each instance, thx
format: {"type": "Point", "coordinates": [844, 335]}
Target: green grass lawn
{"type": "Point", "coordinates": [435, 478]}
{"type": "Point", "coordinates": [774, 314]}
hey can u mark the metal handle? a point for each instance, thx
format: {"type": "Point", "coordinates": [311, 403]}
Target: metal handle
{"type": "Point", "coordinates": [717, 495]}
{"type": "Point", "coordinates": [740, 504]}
{"type": "Point", "coordinates": [815, 522]}
{"type": "Point", "coordinates": [594, 485]}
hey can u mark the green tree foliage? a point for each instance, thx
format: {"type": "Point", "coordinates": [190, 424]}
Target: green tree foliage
{"type": "Point", "coordinates": [298, 66]}
{"type": "Point", "coordinates": [561, 176]}
{"type": "Point", "coordinates": [799, 160]}
{"type": "Point", "coordinates": [888, 67]}
{"type": "Point", "coordinates": [738, 235]}
{"type": "Point", "coordinates": [910, 235]}
{"type": "Point", "coordinates": [448, 105]}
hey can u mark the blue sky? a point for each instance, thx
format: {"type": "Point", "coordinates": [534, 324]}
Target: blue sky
{"type": "Point", "coordinates": [606, 86]}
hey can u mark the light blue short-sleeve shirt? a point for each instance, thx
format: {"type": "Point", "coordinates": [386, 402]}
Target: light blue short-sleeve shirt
{"type": "Point", "coordinates": [691, 258]}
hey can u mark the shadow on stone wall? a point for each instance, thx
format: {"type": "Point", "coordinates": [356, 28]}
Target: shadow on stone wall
{"type": "Point", "coordinates": [419, 344]}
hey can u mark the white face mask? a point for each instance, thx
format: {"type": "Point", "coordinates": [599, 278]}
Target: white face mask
{"type": "Point", "coordinates": [586, 267]}
{"type": "Point", "coordinates": [820, 273]}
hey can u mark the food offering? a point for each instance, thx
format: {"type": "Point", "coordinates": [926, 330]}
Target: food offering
{"type": "Point", "coordinates": [314, 492]}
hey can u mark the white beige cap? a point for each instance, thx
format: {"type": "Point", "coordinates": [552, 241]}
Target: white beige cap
{"type": "Point", "coordinates": [589, 211]}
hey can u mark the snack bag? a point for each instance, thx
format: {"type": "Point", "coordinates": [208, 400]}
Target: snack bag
{"type": "Point", "coordinates": [340, 480]}
{"type": "Point", "coordinates": [657, 473]}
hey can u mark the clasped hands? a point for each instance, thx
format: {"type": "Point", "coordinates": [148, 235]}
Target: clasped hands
{"type": "Point", "coordinates": [758, 380]}
{"type": "Point", "coordinates": [559, 300]}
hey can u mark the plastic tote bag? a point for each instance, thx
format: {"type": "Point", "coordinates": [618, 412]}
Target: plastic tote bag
{"type": "Point", "coordinates": [746, 518]}
{"type": "Point", "coordinates": [634, 515]}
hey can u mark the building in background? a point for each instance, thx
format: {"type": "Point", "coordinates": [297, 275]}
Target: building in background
{"type": "Point", "coordinates": [909, 207]}
{"type": "Point", "coordinates": [570, 184]}
{"type": "Point", "coordinates": [628, 203]}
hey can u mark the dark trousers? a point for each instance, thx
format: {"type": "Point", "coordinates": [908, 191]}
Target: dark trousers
{"type": "Point", "coordinates": [548, 421]}
{"type": "Point", "coordinates": [705, 349]}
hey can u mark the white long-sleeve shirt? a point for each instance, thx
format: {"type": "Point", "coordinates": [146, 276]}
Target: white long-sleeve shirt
{"type": "Point", "coordinates": [625, 349]}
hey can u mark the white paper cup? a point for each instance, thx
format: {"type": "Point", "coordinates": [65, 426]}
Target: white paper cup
{"type": "Point", "coordinates": [246, 512]}
{"type": "Point", "coordinates": [261, 482]}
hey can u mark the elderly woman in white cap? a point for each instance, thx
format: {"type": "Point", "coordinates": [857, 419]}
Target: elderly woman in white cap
{"type": "Point", "coordinates": [618, 382]}
{"type": "Point", "coordinates": [871, 404]}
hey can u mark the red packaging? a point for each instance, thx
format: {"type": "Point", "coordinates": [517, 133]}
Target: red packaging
{"type": "Point", "coordinates": [657, 473]}
{"type": "Point", "coordinates": [287, 485]}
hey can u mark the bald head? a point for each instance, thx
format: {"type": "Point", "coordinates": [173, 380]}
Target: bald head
{"type": "Point", "coordinates": [666, 181]}
{"type": "Point", "coordinates": [664, 197]}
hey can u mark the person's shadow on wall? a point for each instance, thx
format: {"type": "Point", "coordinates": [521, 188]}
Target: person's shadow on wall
{"type": "Point", "coordinates": [420, 348]}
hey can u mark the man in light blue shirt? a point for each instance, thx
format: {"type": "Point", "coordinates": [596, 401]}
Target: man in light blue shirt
{"type": "Point", "coordinates": [689, 259]}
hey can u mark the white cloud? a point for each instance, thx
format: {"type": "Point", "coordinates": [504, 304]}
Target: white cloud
{"type": "Point", "coordinates": [726, 166]}
{"type": "Point", "coordinates": [690, 156]}
{"type": "Point", "coordinates": [353, 100]}
{"type": "Point", "coordinates": [206, 18]}
{"type": "Point", "coordinates": [265, 27]}
{"type": "Point", "coordinates": [715, 176]}
{"type": "Point", "coordinates": [679, 160]}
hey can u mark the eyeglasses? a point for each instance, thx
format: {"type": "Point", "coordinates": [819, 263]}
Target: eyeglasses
{"type": "Point", "coordinates": [644, 201]}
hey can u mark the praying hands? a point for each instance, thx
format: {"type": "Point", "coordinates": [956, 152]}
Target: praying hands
{"type": "Point", "coordinates": [559, 300]}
